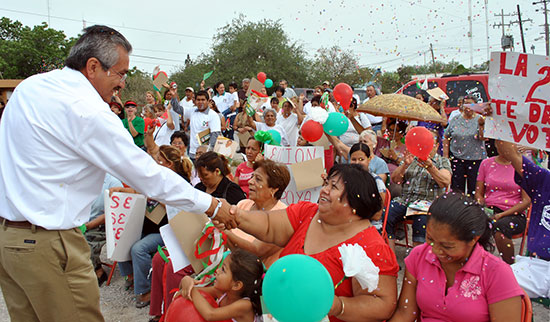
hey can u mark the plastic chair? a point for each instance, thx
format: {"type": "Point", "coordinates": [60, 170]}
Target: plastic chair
{"type": "Point", "coordinates": [406, 244]}
{"type": "Point", "coordinates": [386, 210]}
{"type": "Point", "coordinates": [526, 308]}
{"type": "Point", "coordinates": [523, 235]}
{"type": "Point", "coordinates": [111, 273]}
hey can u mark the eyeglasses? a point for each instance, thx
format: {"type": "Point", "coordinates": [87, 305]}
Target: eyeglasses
{"type": "Point", "coordinates": [122, 76]}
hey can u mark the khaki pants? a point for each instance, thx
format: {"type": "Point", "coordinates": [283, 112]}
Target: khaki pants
{"type": "Point", "coordinates": [46, 275]}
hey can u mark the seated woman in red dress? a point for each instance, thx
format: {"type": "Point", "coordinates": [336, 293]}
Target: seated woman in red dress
{"type": "Point", "coordinates": [348, 200]}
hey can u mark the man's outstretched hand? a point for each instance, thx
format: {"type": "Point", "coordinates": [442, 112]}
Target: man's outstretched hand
{"type": "Point", "coordinates": [224, 215]}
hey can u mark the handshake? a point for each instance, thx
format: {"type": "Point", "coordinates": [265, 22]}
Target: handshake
{"type": "Point", "coordinates": [224, 216]}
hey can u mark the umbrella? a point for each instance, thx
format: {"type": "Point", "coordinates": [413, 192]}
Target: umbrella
{"type": "Point", "coordinates": [400, 106]}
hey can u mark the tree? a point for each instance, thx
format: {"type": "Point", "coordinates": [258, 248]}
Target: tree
{"type": "Point", "coordinates": [27, 51]}
{"type": "Point", "coordinates": [243, 48]}
{"type": "Point", "coordinates": [137, 83]}
{"type": "Point", "coordinates": [338, 66]}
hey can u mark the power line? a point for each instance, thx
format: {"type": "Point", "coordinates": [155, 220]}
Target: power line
{"type": "Point", "coordinates": [117, 26]}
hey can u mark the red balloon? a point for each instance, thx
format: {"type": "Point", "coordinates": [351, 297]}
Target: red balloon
{"type": "Point", "coordinates": [343, 94]}
{"type": "Point", "coordinates": [182, 309]}
{"type": "Point", "coordinates": [261, 77]}
{"type": "Point", "coordinates": [312, 131]}
{"type": "Point", "coordinates": [420, 142]}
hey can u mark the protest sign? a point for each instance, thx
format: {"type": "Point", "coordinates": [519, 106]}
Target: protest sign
{"type": "Point", "coordinates": [293, 155]}
{"type": "Point", "coordinates": [177, 256]}
{"type": "Point", "coordinates": [254, 85]}
{"type": "Point", "coordinates": [520, 99]}
{"type": "Point", "coordinates": [203, 137]}
{"type": "Point", "coordinates": [226, 147]}
{"type": "Point", "coordinates": [124, 214]}
{"type": "Point", "coordinates": [188, 228]}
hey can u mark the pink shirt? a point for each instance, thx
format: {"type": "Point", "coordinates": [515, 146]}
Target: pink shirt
{"type": "Point", "coordinates": [500, 188]}
{"type": "Point", "coordinates": [244, 173]}
{"type": "Point", "coordinates": [483, 280]}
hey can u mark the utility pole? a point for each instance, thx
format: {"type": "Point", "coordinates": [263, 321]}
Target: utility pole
{"type": "Point", "coordinates": [49, 23]}
{"type": "Point", "coordinates": [506, 41]}
{"type": "Point", "coordinates": [544, 2]}
{"type": "Point", "coordinates": [487, 28]}
{"type": "Point", "coordinates": [520, 22]}
{"type": "Point", "coordinates": [470, 35]}
{"type": "Point", "coordinates": [433, 59]}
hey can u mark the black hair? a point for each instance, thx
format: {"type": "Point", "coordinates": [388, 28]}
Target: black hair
{"type": "Point", "coordinates": [353, 103]}
{"type": "Point", "coordinates": [211, 161]}
{"type": "Point", "coordinates": [464, 217]}
{"type": "Point", "coordinates": [181, 135]}
{"type": "Point", "coordinates": [203, 93]}
{"type": "Point", "coordinates": [216, 86]}
{"type": "Point", "coordinates": [360, 147]}
{"type": "Point", "coordinates": [400, 126]}
{"type": "Point", "coordinates": [248, 269]}
{"type": "Point", "coordinates": [280, 89]}
{"type": "Point", "coordinates": [274, 100]}
{"type": "Point", "coordinates": [359, 188]}
{"type": "Point", "coordinates": [234, 85]}
{"type": "Point", "coordinates": [317, 99]}
{"type": "Point", "coordinates": [165, 93]}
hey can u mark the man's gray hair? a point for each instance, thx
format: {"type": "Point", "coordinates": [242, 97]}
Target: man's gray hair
{"type": "Point", "coordinates": [100, 42]}
{"type": "Point", "coordinates": [246, 80]}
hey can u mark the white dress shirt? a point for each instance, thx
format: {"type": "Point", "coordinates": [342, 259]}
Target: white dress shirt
{"type": "Point", "coordinates": [58, 138]}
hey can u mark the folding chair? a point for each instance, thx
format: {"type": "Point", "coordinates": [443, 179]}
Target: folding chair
{"type": "Point", "coordinates": [523, 235]}
{"type": "Point", "coordinates": [405, 228]}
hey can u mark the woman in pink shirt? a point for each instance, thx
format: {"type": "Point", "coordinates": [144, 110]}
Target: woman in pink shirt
{"type": "Point", "coordinates": [453, 277]}
{"type": "Point", "coordinates": [504, 200]}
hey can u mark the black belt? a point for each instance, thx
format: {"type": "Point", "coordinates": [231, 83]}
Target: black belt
{"type": "Point", "coordinates": [379, 123]}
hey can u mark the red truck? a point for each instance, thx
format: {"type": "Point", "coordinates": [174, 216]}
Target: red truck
{"type": "Point", "coordinates": [474, 84]}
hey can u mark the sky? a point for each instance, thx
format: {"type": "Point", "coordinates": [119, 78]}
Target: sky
{"type": "Point", "coordinates": [385, 34]}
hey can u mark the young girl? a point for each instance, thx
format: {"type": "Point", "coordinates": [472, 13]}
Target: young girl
{"type": "Point", "coordinates": [236, 289]}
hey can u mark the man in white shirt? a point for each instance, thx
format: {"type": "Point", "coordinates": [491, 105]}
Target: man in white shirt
{"type": "Point", "coordinates": [376, 121]}
{"type": "Point", "coordinates": [289, 92]}
{"type": "Point", "coordinates": [187, 101]}
{"type": "Point", "coordinates": [202, 118]}
{"type": "Point", "coordinates": [223, 99]}
{"type": "Point", "coordinates": [49, 182]}
{"type": "Point", "coordinates": [358, 122]}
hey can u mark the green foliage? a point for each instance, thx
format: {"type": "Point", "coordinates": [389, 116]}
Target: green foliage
{"type": "Point", "coordinates": [338, 66]}
{"type": "Point", "coordinates": [137, 83]}
{"type": "Point", "coordinates": [243, 48]}
{"type": "Point", "coordinates": [27, 51]}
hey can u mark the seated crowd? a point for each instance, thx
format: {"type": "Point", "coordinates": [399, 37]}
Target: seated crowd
{"type": "Point", "coordinates": [479, 192]}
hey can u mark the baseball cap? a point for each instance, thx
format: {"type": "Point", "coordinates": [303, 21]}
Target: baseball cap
{"type": "Point", "coordinates": [190, 89]}
{"type": "Point", "coordinates": [326, 82]}
{"type": "Point", "coordinates": [127, 103]}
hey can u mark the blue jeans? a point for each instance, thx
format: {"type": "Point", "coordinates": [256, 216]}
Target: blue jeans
{"type": "Point", "coordinates": [396, 215]}
{"type": "Point", "coordinates": [141, 262]}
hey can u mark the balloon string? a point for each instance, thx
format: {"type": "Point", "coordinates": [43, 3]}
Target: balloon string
{"type": "Point", "coordinates": [341, 281]}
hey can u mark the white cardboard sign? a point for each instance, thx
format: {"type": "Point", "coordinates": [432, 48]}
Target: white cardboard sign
{"type": "Point", "coordinates": [519, 87]}
{"type": "Point", "coordinates": [124, 214]}
{"type": "Point", "coordinates": [292, 155]}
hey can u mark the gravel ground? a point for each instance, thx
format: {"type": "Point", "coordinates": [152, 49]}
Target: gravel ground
{"type": "Point", "coordinates": [118, 305]}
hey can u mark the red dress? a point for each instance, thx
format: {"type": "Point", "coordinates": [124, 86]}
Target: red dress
{"type": "Point", "coordinates": [301, 215]}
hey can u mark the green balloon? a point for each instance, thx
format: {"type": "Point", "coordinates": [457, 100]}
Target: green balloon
{"type": "Point", "coordinates": [275, 137]}
{"type": "Point", "coordinates": [298, 288]}
{"type": "Point", "coordinates": [268, 83]}
{"type": "Point", "coordinates": [336, 124]}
